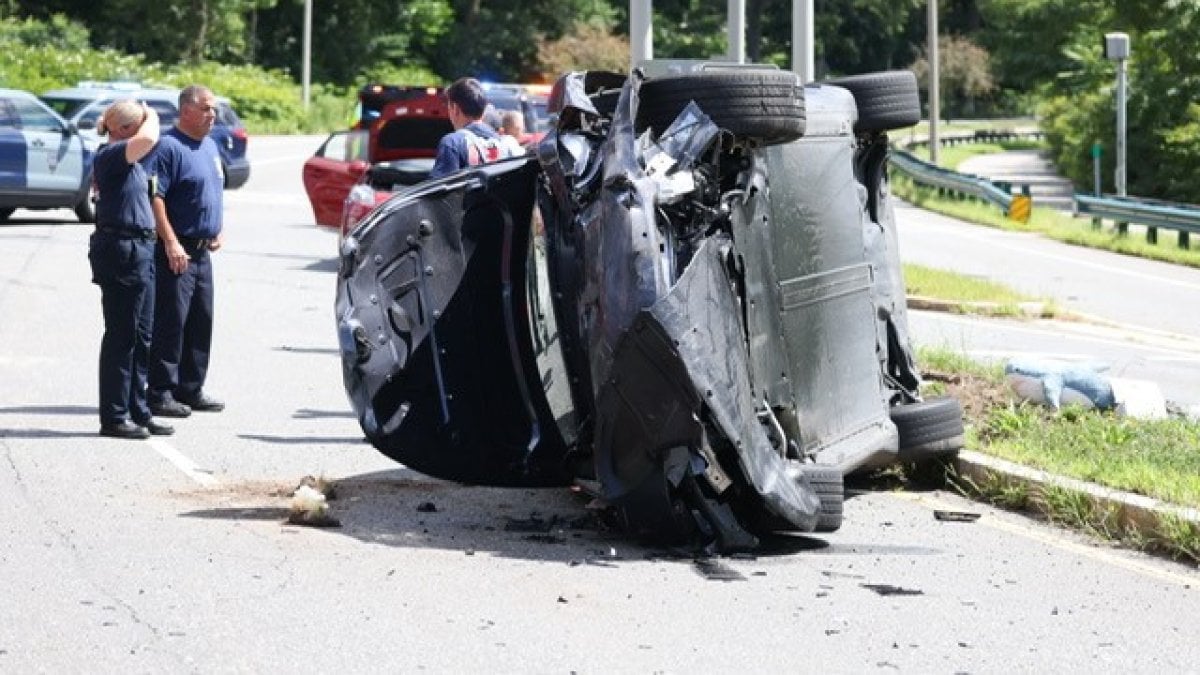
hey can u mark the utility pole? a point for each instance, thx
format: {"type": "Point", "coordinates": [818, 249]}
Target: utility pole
{"type": "Point", "coordinates": [737, 30]}
{"type": "Point", "coordinates": [641, 34]}
{"type": "Point", "coordinates": [803, 39]}
{"type": "Point", "coordinates": [935, 99]}
{"type": "Point", "coordinates": [306, 68]}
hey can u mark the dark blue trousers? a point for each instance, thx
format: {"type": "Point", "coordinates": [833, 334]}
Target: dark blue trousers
{"type": "Point", "coordinates": [183, 322]}
{"type": "Point", "coordinates": [124, 270]}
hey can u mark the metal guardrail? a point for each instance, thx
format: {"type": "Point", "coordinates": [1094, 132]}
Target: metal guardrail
{"type": "Point", "coordinates": [944, 179]}
{"type": "Point", "coordinates": [1183, 218]}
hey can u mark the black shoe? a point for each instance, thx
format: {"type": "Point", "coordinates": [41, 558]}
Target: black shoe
{"type": "Point", "coordinates": [157, 429]}
{"type": "Point", "coordinates": [169, 407]}
{"type": "Point", "coordinates": [202, 402]}
{"type": "Point", "coordinates": [124, 430]}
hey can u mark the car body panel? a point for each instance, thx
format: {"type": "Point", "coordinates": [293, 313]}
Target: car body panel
{"type": "Point", "coordinates": [331, 172]}
{"type": "Point", "coordinates": [439, 371]}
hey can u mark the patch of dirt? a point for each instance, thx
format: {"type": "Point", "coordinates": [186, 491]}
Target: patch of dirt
{"type": "Point", "coordinates": [978, 395]}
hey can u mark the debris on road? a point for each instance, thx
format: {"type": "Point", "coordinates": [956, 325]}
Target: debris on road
{"type": "Point", "coordinates": [427, 507]}
{"type": "Point", "coordinates": [888, 589]}
{"type": "Point", "coordinates": [310, 508]}
{"type": "Point", "coordinates": [956, 516]}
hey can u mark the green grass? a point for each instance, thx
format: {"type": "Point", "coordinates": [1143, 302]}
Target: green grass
{"type": "Point", "coordinates": [1155, 458]}
{"type": "Point", "coordinates": [970, 294]}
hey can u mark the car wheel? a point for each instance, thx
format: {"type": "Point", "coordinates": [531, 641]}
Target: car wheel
{"type": "Point", "coordinates": [828, 483]}
{"type": "Point", "coordinates": [767, 105]}
{"type": "Point", "coordinates": [85, 210]}
{"type": "Point", "coordinates": [929, 429]}
{"type": "Point", "coordinates": [887, 100]}
{"type": "Point", "coordinates": [5, 214]}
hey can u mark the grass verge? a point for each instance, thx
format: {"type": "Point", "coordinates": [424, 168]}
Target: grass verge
{"type": "Point", "coordinates": [1155, 458]}
{"type": "Point", "coordinates": [970, 295]}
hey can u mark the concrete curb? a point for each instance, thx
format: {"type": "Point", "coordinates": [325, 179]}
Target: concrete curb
{"type": "Point", "coordinates": [1031, 310]}
{"type": "Point", "coordinates": [1132, 512]}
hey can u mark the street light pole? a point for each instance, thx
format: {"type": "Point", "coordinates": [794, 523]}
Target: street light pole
{"type": "Point", "coordinates": [803, 39]}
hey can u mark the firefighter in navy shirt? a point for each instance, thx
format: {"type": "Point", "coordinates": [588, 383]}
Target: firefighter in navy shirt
{"type": "Point", "coordinates": [121, 253]}
{"type": "Point", "coordinates": [188, 213]}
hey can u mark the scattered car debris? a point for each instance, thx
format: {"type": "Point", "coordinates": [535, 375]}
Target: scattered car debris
{"type": "Point", "coordinates": [310, 508]}
{"type": "Point", "coordinates": [545, 539]}
{"type": "Point", "coordinates": [320, 484]}
{"type": "Point", "coordinates": [956, 516]}
{"type": "Point", "coordinates": [531, 524]}
{"type": "Point", "coordinates": [888, 589]}
{"type": "Point", "coordinates": [715, 570]}
{"type": "Point", "coordinates": [427, 507]}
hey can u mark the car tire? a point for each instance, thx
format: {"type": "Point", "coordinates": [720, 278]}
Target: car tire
{"type": "Point", "coordinates": [767, 105]}
{"type": "Point", "coordinates": [829, 484]}
{"type": "Point", "coordinates": [5, 214]}
{"type": "Point", "coordinates": [85, 210]}
{"type": "Point", "coordinates": [886, 100]}
{"type": "Point", "coordinates": [929, 429]}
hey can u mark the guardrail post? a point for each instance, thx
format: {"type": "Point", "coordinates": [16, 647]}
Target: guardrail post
{"type": "Point", "coordinates": [1151, 235]}
{"type": "Point", "coordinates": [1122, 229]}
{"type": "Point", "coordinates": [1183, 239]}
{"type": "Point", "coordinates": [1097, 223]}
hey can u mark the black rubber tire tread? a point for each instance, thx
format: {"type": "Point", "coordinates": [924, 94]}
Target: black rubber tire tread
{"type": "Point", "coordinates": [886, 100]}
{"type": "Point", "coordinates": [829, 484]}
{"type": "Point", "coordinates": [763, 104]}
{"type": "Point", "coordinates": [929, 421]}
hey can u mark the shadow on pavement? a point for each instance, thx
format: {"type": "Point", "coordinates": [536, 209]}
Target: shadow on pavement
{"type": "Point", "coordinates": [403, 508]}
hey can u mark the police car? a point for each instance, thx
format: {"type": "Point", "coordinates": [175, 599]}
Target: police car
{"type": "Point", "coordinates": [84, 103]}
{"type": "Point", "coordinates": [43, 161]}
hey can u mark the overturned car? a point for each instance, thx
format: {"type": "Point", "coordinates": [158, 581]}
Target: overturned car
{"type": "Point", "coordinates": [689, 300]}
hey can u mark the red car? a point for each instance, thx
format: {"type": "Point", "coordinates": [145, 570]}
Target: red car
{"type": "Point", "coordinates": [392, 144]}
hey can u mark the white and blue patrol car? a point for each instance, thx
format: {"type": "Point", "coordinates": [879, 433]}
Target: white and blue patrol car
{"type": "Point", "coordinates": [43, 161]}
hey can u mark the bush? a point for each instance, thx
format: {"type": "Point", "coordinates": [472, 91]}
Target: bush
{"type": "Point", "coordinates": [39, 56]}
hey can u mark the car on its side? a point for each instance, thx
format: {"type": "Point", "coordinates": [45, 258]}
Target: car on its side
{"type": "Point", "coordinates": [688, 300]}
{"type": "Point", "coordinates": [83, 105]}
{"type": "Point", "coordinates": [44, 163]}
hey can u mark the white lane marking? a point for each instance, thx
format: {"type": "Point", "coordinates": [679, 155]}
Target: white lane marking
{"type": "Point", "coordinates": [1064, 356]}
{"type": "Point", "coordinates": [184, 464]}
{"type": "Point", "coordinates": [995, 241]}
{"type": "Point", "coordinates": [1188, 581]}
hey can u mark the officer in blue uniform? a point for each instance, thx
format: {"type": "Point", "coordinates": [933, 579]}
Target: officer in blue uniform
{"type": "Point", "coordinates": [188, 213]}
{"type": "Point", "coordinates": [121, 253]}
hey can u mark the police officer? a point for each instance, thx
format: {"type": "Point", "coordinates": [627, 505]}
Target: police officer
{"type": "Point", "coordinates": [188, 213]}
{"type": "Point", "coordinates": [121, 253]}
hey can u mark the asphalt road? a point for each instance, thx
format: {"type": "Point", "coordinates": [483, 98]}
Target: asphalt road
{"type": "Point", "coordinates": [172, 556]}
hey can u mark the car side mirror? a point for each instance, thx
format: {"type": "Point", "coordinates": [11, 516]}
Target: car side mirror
{"type": "Point", "coordinates": [84, 124]}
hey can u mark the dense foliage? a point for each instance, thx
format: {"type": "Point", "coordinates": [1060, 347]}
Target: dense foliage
{"type": "Point", "coordinates": [998, 57]}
